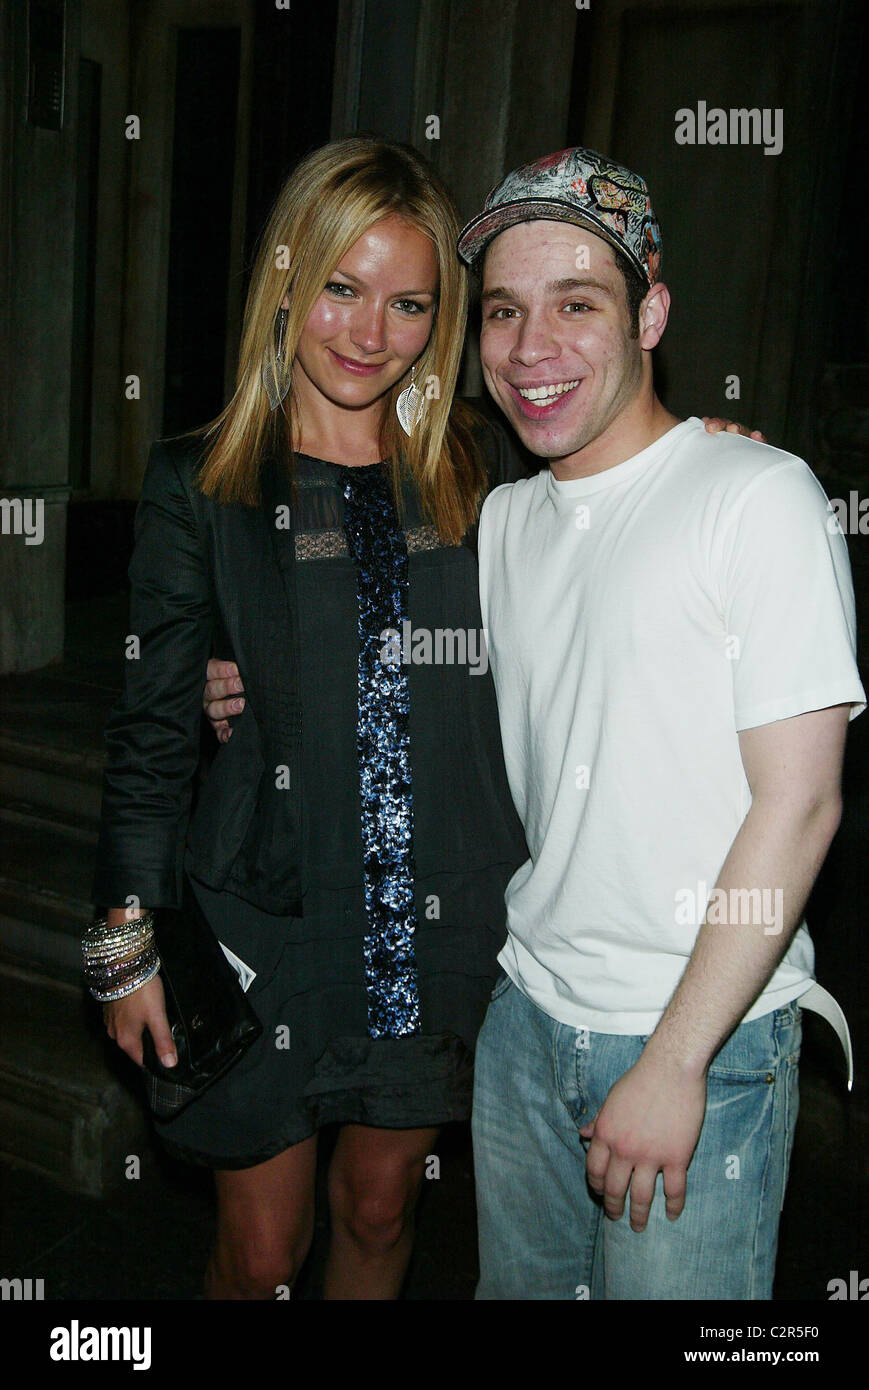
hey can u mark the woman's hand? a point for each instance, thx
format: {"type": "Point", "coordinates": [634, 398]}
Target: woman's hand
{"type": "Point", "coordinates": [714, 424]}
{"type": "Point", "coordinates": [126, 1019]}
{"type": "Point", "coordinates": [220, 698]}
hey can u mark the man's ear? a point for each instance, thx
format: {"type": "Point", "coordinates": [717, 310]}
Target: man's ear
{"type": "Point", "coordinates": [654, 312]}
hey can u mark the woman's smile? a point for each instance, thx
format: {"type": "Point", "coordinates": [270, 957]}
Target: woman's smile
{"type": "Point", "coordinates": [357, 368]}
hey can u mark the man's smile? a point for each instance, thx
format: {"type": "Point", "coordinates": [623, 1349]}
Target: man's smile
{"type": "Point", "coordinates": [545, 400]}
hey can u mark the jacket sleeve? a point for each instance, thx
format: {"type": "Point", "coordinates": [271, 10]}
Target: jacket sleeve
{"type": "Point", "coordinates": [152, 735]}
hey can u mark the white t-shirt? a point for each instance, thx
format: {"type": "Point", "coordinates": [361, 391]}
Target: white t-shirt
{"type": "Point", "coordinates": [636, 620]}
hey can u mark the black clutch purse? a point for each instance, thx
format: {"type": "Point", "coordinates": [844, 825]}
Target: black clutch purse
{"type": "Point", "coordinates": [211, 1019]}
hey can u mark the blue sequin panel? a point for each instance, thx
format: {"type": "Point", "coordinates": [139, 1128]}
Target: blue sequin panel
{"type": "Point", "coordinates": [377, 544]}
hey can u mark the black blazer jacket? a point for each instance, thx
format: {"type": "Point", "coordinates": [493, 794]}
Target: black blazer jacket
{"type": "Point", "coordinates": [214, 579]}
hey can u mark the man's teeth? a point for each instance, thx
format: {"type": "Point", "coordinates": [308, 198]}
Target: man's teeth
{"type": "Point", "coordinates": [542, 393]}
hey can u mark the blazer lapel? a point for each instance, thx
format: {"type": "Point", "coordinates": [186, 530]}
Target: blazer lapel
{"type": "Point", "coordinates": [282, 681]}
{"type": "Point", "coordinates": [277, 492]}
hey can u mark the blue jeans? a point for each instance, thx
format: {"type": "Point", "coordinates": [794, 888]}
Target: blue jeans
{"type": "Point", "coordinates": [542, 1231]}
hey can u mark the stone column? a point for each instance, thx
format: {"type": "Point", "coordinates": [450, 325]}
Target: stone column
{"type": "Point", "coordinates": [37, 168]}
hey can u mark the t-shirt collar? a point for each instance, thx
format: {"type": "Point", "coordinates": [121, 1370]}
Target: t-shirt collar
{"type": "Point", "coordinates": [561, 491]}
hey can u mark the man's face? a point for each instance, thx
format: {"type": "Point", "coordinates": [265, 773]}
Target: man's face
{"type": "Point", "coordinates": [550, 327]}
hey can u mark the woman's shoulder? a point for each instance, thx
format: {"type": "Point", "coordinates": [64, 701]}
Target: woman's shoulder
{"type": "Point", "coordinates": [175, 467]}
{"type": "Point", "coordinates": [505, 457]}
{"type": "Point", "coordinates": [182, 453]}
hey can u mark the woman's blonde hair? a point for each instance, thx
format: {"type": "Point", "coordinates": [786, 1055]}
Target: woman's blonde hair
{"type": "Point", "coordinates": [329, 201]}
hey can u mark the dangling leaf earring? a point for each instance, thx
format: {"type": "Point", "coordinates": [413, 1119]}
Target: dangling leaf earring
{"type": "Point", "coordinates": [409, 405]}
{"type": "Point", "coordinates": [276, 379]}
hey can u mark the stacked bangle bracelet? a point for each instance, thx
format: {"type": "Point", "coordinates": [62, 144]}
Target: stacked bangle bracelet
{"type": "Point", "coordinates": [119, 959]}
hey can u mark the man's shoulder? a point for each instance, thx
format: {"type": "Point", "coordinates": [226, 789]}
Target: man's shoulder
{"type": "Point", "coordinates": [520, 494]}
{"type": "Point", "coordinates": [732, 468]}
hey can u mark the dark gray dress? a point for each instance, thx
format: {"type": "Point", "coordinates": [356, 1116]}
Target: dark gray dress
{"type": "Point", "coordinates": [360, 1027]}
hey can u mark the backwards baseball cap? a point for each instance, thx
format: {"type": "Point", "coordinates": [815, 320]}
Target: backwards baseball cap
{"type": "Point", "coordinates": [579, 186]}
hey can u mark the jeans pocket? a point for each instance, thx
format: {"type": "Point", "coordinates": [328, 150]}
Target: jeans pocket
{"type": "Point", "coordinates": [756, 1051]}
{"type": "Point", "coordinates": [501, 984]}
{"type": "Point", "coordinates": [742, 1075]}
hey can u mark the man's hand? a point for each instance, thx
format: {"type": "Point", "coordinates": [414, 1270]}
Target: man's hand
{"type": "Point", "coordinates": [714, 424]}
{"type": "Point", "coordinates": [221, 696]}
{"type": "Point", "coordinates": [650, 1122]}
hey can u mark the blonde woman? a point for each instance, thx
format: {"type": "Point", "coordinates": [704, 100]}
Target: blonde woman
{"type": "Point", "coordinates": [354, 836]}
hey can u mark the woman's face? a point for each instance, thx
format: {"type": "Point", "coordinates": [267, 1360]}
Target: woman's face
{"type": "Point", "coordinates": [373, 318]}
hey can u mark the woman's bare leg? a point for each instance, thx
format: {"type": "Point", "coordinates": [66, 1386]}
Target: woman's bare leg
{"type": "Point", "coordinates": [265, 1222]}
{"type": "Point", "coordinates": [374, 1182]}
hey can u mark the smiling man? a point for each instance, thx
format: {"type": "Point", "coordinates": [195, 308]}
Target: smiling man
{"type": "Point", "coordinates": [671, 633]}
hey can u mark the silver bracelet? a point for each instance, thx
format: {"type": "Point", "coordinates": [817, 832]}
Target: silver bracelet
{"type": "Point", "coordinates": [119, 959]}
{"type": "Point", "coordinates": [143, 976]}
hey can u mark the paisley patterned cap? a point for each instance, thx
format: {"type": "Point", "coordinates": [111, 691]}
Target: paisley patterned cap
{"type": "Point", "coordinates": [578, 186]}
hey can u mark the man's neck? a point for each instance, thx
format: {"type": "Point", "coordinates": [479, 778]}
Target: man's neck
{"type": "Point", "coordinates": [644, 421]}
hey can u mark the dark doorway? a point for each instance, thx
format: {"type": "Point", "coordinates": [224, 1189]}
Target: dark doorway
{"type": "Point", "coordinates": [294, 57]}
{"type": "Point", "coordinates": [203, 162]}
